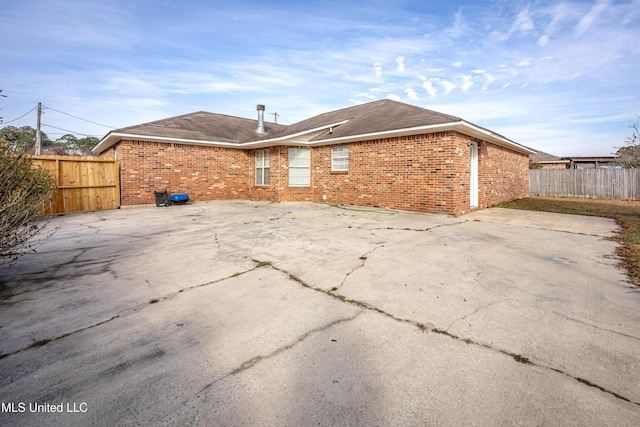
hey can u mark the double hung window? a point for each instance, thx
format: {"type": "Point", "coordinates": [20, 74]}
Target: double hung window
{"type": "Point", "coordinates": [299, 167]}
{"type": "Point", "coordinates": [340, 158]}
{"type": "Point", "coordinates": [262, 167]}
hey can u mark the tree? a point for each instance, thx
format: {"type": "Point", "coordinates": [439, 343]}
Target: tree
{"type": "Point", "coordinates": [70, 145]}
{"type": "Point", "coordinates": [24, 189]}
{"type": "Point", "coordinates": [629, 155]}
{"type": "Point", "coordinates": [23, 138]}
{"type": "Point", "coordinates": [534, 165]}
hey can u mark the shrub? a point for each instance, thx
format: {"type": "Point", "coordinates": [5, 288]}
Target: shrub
{"type": "Point", "coordinates": [24, 190]}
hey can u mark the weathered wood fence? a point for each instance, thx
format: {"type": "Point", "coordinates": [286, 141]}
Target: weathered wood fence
{"type": "Point", "coordinates": [84, 183]}
{"type": "Point", "coordinates": [615, 184]}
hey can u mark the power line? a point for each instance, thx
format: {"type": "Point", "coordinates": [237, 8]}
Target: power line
{"type": "Point", "coordinates": [10, 121]}
{"type": "Point", "coordinates": [79, 118]}
{"type": "Point", "coordinates": [66, 130]}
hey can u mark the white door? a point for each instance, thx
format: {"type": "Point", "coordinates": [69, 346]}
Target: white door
{"type": "Point", "coordinates": [473, 169]}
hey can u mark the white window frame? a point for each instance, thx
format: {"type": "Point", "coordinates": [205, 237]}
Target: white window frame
{"type": "Point", "coordinates": [299, 167]}
{"type": "Point", "coordinates": [341, 154]}
{"type": "Point", "coordinates": [262, 168]}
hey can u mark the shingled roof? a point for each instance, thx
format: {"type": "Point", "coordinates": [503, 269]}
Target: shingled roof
{"type": "Point", "coordinates": [542, 157]}
{"type": "Point", "coordinates": [205, 127]}
{"type": "Point", "coordinates": [371, 120]}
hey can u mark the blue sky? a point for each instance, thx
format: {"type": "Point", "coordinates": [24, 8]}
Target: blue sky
{"type": "Point", "coordinates": [561, 77]}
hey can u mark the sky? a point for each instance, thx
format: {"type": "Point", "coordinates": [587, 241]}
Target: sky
{"type": "Point", "coordinates": [562, 77]}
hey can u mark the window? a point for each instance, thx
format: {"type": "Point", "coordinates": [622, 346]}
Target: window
{"type": "Point", "coordinates": [262, 167]}
{"type": "Point", "coordinates": [340, 158]}
{"type": "Point", "coordinates": [299, 167]}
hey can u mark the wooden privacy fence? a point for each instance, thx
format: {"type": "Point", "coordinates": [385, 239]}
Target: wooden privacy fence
{"type": "Point", "coordinates": [614, 184]}
{"type": "Point", "coordinates": [84, 183]}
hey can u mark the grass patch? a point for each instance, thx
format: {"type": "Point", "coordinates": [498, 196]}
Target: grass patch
{"type": "Point", "coordinates": [261, 263]}
{"type": "Point", "coordinates": [443, 332]}
{"type": "Point", "coordinates": [625, 213]}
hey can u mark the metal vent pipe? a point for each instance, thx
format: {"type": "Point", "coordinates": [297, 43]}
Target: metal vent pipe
{"type": "Point", "coordinates": [260, 119]}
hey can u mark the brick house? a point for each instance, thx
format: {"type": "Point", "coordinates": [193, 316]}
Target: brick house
{"type": "Point", "coordinates": [381, 154]}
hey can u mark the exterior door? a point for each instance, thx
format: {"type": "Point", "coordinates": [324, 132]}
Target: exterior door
{"type": "Point", "coordinates": [473, 169]}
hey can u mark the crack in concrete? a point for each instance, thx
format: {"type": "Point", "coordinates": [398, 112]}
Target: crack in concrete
{"type": "Point", "coordinates": [424, 328]}
{"type": "Point", "coordinates": [420, 230]}
{"type": "Point", "coordinates": [98, 231]}
{"type": "Point", "coordinates": [546, 229]}
{"type": "Point", "coordinates": [363, 258]}
{"type": "Point", "coordinates": [277, 217]}
{"type": "Point", "coordinates": [257, 359]}
{"type": "Point", "coordinates": [133, 309]}
{"type": "Point", "coordinates": [595, 326]}
{"type": "Point", "coordinates": [253, 361]}
{"type": "Point", "coordinates": [475, 311]}
{"type": "Point", "coordinates": [46, 341]}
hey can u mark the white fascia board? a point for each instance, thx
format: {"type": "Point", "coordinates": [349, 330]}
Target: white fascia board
{"type": "Point", "coordinates": [300, 138]}
{"type": "Point", "coordinates": [385, 134]}
{"type": "Point", "coordinates": [461, 126]}
{"type": "Point", "coordinates": [303, 138]}
{"type": "Point", "coordinates": [489, 136]}
{"type": "Point", "coordinates": [113, 138]}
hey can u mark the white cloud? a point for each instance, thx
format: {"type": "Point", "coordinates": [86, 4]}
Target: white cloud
{"type": "Point", "coordinates": [592, 16]}
{"type": "Point", "coordinates": [448, 86]}
{"type": "Point", "coordinates": [459, 26]}
{"type": "Point", "coordinates": [488, 80]}
{"type": "Point", "coordinates": [543, 41]}
{"type": "Point", "coordinates": [523, 23]}
{"type": "Point", "coordinates": [467, 82]}
{"type": "Point", "coordinates": [457, 64]}
{"type": "Point", "coordinates": [378, 69]}
{"type": "Point", "coordinates": [367, 95]}
{"type": "Point", "coordinates": [394, 97]}
{"type": "Point", "coordinates": [478, 71]}
{"type": "Point", "coordinates": [524, 63]}
{"type": "Point", "coordinates": [412, 94]}
{"type": "Point", "coordinates": [400, 62]}
{"type": "Point", "coordinates": [428, 86]}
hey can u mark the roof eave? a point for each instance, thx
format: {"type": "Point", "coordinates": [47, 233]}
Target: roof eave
{"type": "Point", "coordinates": [299, 138]}
{"type": "Point", "coordinates": [305, 138]}
{"type": "Point", "coordinates": [114, 137]}
{"type": "Point", "coordinates": [461, 126]}
{"type": "Point", "coordinates": [487, 135]}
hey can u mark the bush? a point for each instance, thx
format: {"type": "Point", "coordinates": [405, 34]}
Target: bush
{"type": "Point", "coordinates": [24, 190]}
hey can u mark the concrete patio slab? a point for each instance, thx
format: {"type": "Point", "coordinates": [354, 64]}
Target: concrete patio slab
{"type": "Point", "coordinates": [250, 313]}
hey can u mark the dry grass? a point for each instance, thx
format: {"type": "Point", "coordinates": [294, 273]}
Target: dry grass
{"type": "Point", "coordinates": [626, 213]}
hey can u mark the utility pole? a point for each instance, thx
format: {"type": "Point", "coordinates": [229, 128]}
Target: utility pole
{"type": "Point", "coordinates": [38, 138]}
{"type": "Point", "coordinates": [275, 117]}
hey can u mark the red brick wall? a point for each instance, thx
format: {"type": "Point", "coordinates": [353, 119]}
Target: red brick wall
{"type": "Point", "coordinates": [425, 173]}
{"type": "Point", "coordinates": [503, 175]}
{"type": "Point", "coordinates": [204, 173]}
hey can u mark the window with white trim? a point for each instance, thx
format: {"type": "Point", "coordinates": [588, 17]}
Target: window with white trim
{"type": "Point", "coordinates": [262, 167]}
{"type": "Point", "coordinates": [340, 158]}
{"type": "Point", "coordinates": [299, 167]}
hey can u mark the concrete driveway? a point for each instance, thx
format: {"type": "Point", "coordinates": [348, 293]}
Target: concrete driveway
{"type": "Point", "coordinates": [249, 313]}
